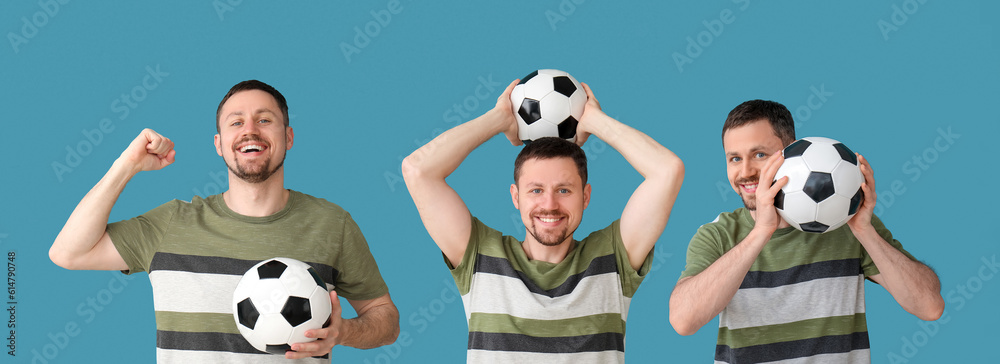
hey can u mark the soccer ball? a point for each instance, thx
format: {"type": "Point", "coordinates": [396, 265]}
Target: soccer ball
{"type": "Point", "coordinates": [824, 185]}
{"type": "Point", "coordinates": [276, 301]}
{"type": "Point", "coordinates": [547, 103]}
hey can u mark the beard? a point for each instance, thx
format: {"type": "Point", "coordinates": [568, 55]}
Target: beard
{"type": "Point", "coordinates": [551, 238]}
{"type": "Point", "coordinates": [750, 202]}
{"type": "Point", "coordinates": [252, 173]}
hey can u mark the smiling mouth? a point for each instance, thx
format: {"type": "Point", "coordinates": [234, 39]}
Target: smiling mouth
{"type": "Point", "coordinates": [749, 187]}
{"type": "Point", "coordinates": [549, 219]}
{"type": "Point", "coordinates": [251, 148]}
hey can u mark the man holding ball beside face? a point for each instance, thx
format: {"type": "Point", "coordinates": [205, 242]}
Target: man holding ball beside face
{"type": "Point", "coordinates": [550, 298]}
{"type": "Point", "coordinates": [780, 293]}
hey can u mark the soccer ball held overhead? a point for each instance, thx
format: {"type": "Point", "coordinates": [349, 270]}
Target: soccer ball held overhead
{"type": "Point", "coordinates": [547, 103]}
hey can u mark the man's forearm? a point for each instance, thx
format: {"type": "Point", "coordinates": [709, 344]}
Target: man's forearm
{"type": "Point", "coordinates": [697, 299]}
{"type": "Point", "coordinates": [442, 155]}
{"type": "Point", "coordinates": [913, 284]}
{"type": "Point", "coordinates": [376, 327]}
{"type": "Point", "coordinates": [646, 155]}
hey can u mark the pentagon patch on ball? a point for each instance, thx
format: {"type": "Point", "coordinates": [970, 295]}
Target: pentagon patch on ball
{"type": "Point", "coordinates": [276, 301]}
{"type": "Point", "coordinates": [547, 103]}
{"type": "Point", "coordinates": [824, 185]}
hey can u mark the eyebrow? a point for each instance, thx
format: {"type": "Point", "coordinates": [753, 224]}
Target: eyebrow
{"type": "Point", "coordinates": [756, 148]}
{"type": "Point", "coordinates": [256, 112]}
{"type": "Point", "coordinates": [537, 184]}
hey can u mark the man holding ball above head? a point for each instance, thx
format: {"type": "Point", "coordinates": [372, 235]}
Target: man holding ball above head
{"type": "Point", "coordinates": [196, 252]}
{"type": "Point", "coordinates": [782, 294]}
{"type": "Point", "coordinates": [550, 298]}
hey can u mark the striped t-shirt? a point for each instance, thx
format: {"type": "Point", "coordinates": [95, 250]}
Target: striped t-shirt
{"type": "Point", "coordinates": [803, 299]}
{"type": "Point", "coordinates": [527, 311]}
{"type": "Point", "coordinates": [196, 252]}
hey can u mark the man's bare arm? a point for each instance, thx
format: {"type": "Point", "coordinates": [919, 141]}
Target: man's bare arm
{"type": "Point", "coordinates": [699, 298]}
{"type": "Point", "coordinates": [444, 214]}
{"type": "Point", "coordinates": [83, 242]}
{"type": "Point", "coordinates": [647, 211]}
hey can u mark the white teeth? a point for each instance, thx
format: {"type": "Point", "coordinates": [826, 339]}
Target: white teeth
{"type": "Point", "coordinates": [548, 219]}
{"type": "Point", "coordinates": [254, 147]}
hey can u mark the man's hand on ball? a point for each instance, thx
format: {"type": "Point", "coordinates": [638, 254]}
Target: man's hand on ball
{"type": "Point", "coordinates": [326, 338]}
{"type": "Point", "coordinates": [505, 111]}
{"type": "Point", "coordinates": [863, 218]}
{"type": "Point", "coordinates": [767, 214]}
{"type": "Point", "coordinates": [591, 111]}
{"type": "Point", "coordinates": [149, 151]}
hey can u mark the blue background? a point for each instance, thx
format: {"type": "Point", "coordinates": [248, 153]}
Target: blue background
{"type": "Point", "coordinates": [891, 96]}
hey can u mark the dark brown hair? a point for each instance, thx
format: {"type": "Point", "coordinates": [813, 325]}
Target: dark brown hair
{"type": "Point", "coordinates": [253, 85]}
{"type": "Point", "coordinates": [753, 110]}
{"type": "Point", "coordinates": [552, 147]}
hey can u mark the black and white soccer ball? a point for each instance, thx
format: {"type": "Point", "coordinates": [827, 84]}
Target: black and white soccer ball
{"type": "Point", "coordinates": [276, 301]}
{"type": "Point", "coordinates": [824, 185]}
{"type": "Point", "coordinates": [547, 103]}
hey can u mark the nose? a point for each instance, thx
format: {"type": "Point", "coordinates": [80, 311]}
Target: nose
{"type": "Point", "coordinates": [249, 128]}
{"type": "Point", "coordinates": [747, 169]}
{"type": "Point", "coordinates": [548, 201]}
